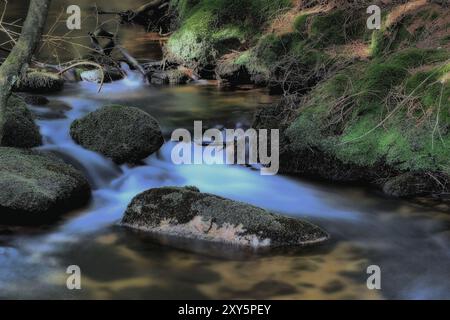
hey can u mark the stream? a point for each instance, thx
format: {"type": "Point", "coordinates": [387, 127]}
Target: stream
{"type": "Point", "coordinates": [410, 244]}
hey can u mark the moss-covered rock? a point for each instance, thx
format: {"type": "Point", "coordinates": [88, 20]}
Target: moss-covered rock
{"type": "Point", "coordinates": [210, 28]}
{"type": "Point", "coordinates": [173, 77]}
{"type": "Point", "coordinates": [335, 27]}
{"type": "Point", "coordinates": [187, 212]}
{"type": "Point", "coordinates": [20, 130]}
{"type": "Point", "coordinates": [414, 184]}
{"type": "Point", "coordinates": [124, 134]}
{"type": "Point", "coordinates": [36, 188]}
{"type": "Point", "coordinates": [40, 82]}
{"type": "Point", "coordinates": [177, 77]}
{"type": "Point", "coordinates": [289, 63]}
{"type": "Point", "coordinates": [231, 73]}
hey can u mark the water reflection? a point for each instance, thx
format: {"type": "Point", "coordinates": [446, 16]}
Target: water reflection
{"type": "Point", "coordinates": [61, 44]}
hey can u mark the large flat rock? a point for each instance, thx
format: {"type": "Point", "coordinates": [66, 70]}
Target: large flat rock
{"type": "Point", "coordinates": [187, 212]}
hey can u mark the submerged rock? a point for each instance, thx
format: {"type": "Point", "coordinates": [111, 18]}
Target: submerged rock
{"type": "Point", "coordinates": [55, 109]}
{"type": "Point", "coordinates": [36, 100]}
{"type": "Point", "coordinates": [189, 213]}
{"type": "Point", "coordinates": [20, 131]}
{"type": "Point", "coordinates": [124, 134]}
{"type": "Point", "coordinates": [36, 188]}
{"type": "Point", "coordinates": [40, 82]}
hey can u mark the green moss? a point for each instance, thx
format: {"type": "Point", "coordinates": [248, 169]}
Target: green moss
{"type": "Point", "coordinates": [301, 25]}
{"type": "Point", "coordinates": [415, 57]}
{"type": "Point", "coordinates": [367, 130]}
{"type": "Point", "coordinates": [40, 82]}
{"type": "Point", "coordinates": [336, 27]}
{"type": "Point", "coordinates": [36, 187]}
{"type": "Point", "coordinates": [183, 7]}
{"type": "Point", "coordinates": [445, 40]}
{"type": "Point", "coordinates": [20, 131]}
{"type": "Point", "coordinates": [397, 36]}
{"type": "Point", "coordinates": [210, 28]}
{"type": "Point", "coordinates": [271, 47]}
{"type": "Point", "coordinates": [124, 134]}
{"type": "Point", "coordinates": [190, 42]}
{"type": "Point", "coordinates": [250, 61]}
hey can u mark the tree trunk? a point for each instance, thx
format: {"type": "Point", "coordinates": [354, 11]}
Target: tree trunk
{"type": "Point", "coordinates": [17, 61]}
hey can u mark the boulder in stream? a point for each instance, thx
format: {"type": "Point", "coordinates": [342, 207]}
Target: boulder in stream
{"type": "Point", "coordinates": [40, 82]}
{"type": "Point", "coordinates": [415, 184]}
{"type": "Point", "coordinates": [36, 188]}
{"type": "Point", "coordinates": [187, 212]}
{"type": "Point", "coordinates": [124, 134]}
{"type": "Point", "coordinates": [173, 77]}
{"type": "Point", "coordinates": [20, 131]}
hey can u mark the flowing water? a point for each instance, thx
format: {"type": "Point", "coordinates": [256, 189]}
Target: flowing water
{"type": "Point", "coordinates": [410, 244]}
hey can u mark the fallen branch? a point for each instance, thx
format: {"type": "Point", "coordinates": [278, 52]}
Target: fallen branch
{"type": "Point", "coordinates": [145, 15]}
{"type": "Point", "coordinates": [132, 61]}
{"type": "Point", "coordinates": [81, 63]}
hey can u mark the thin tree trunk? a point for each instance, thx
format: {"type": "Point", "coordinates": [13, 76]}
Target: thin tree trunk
{"type": "Point", "coordinates": [17, 61]}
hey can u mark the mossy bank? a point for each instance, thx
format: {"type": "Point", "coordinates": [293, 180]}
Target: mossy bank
{"type": "Point", "coordinates": [359, 105]}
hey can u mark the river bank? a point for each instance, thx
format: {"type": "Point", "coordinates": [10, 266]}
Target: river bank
{"type": "Point", "coordinates": [360, 105]}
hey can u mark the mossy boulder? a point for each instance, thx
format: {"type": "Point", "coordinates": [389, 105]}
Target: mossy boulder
{"type": "Point", "coordinates": [414, 184]}
{"type": "Point", "coordinates": [229, 73]}
{"type": "Point", "coordinates": [36, 188]}
{"type": "Point", "coordinates": [124, 134]}
{"type": "Point", "coordinates": [186, 212]}
{"type": "Point", "coordinates": [209, 29]}
{"type": "Point", "coordinates": [173, 77]}
{"type": "Point", "coordinates": [20, 130]}
{"type": "Point", "coordinates": [177, 77]}
{"type": "Point", "coordinates": [40, 82]}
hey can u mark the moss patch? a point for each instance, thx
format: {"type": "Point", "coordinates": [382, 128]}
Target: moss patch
{"type": "Point", "coordinates": [211, 28]}
{"type": "Point", "coordinates": [384, 110]}
{"type": "Point", "coordinates": [40, 82]}
{"type": "Point", "coordinates": [124, 134]}
{"type": "Point", "coordinates": [37, 187]}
